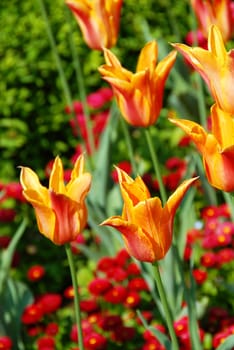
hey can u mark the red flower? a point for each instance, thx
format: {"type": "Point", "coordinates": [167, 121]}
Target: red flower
{"type": "Point", "coordinates": [110, 322]}
{"type": "Point", "coordinates": [50, 302]}
{"type": "Point", "coordinates": [117, 274]}
{"type": "Point", "coordinates": [138, 284]}
{"type": "Point", "coordinates": [99, 286]}
{"type": "Point", "coordinates": [219, 338]}
{"type": "Point", "coordinates": [89, 305]}
{"type": "Point", "coordinates": [132, 299]}
{"type": "Point", "coordinates": [199, 275]}
{"type": "Point", "coordinates": [208, 259]}
{"type": "Point", "coordinates": [116, 295]}
{"type": "Point", "coordinates": [52, 328]}
{"type": "Point", "coordinates": [122, 257]}
{"type": "Point", "coordinates": [181, 325]}
{"type": "Point", "coordinates": [32, 314]}
{"type": "Point", "coordinates": [86, 327]}
{"type": "Point", "coordinates": [123, 334]}
{"type": "Point", "coordinates": [5, 343]}
{"type": "Point", "coordinates": [45, 343]}
{"type": "Point", "coordinates": [148, 335]}
{"type": "Point", "coordinates": [105, 263]}
{"type": "Point", "coordinates": [225, 255]}
{"type": "Point", "coordinates": [7, 214]}
{"type": "Point", "coordinates": [133, 269]}
{"type": "Point", "coordinates": [95, 341]}
{"type": "Point", "coordinates": [98, 98]}
{"type": "Point", "coordinates": [35, 273]}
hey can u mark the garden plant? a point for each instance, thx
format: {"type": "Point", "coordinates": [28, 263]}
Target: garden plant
{"type": "Point", "coordinates": [117, 175]}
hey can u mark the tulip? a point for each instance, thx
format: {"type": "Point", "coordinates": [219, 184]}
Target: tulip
{"type": "Point", "coordinates": [216, 66]}
{"type": "Point", "coordinates": [60, 210]}
{"type": "Point", "coordinates": [98, 21]}
{"type": "Point", "coordinates": [218, 12]}
{"type": "Point", "coordinates": [140, 95]}
{"type": "Point", "coordinates": [146, 226]}
{"type": "Point", "coordinates": [217, 147]}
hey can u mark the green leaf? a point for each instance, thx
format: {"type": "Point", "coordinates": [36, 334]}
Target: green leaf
{"type": "Point", "coordinates": [15, 297]}
{"type": "Point", "coordinates": [227, 344]}
{"type": "Point", "coordinates": [159, 336]}
{"type": "Point", "coordinates": [7, 255]}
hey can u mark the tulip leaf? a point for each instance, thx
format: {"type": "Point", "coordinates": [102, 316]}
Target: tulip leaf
{"type": "Point", "coordinates": [102, 159]}
{"type": "Point", "coordinates": [163, 339]}
{"type": "Point", "coordinates": [227, 344]}
{"type": "Point", "coordinates": [15, 297]}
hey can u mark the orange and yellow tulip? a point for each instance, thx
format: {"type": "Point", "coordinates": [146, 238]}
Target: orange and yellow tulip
{"type": "Point", "coordinates": [140, 95]}
{"type": "Point", "coordinates": [146, 226]}
{"type": "Point", "coordinates": [218, 12]}
{"type": "Point", "coordinates": [217, 147]}
{"type": "Point", "coordinates": [216, 66]}
{"type": "Point", "coordinates": [98, 21]}
{"type": "Point", "coordinates": [60, 210]}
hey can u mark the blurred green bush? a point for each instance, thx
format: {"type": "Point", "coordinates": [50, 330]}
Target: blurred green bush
{"type": "Point", "coordinates": [33, 125]}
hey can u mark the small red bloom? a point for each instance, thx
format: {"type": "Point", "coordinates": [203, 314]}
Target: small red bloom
{"type": "Point", "coordinates": [133, 269]}
{"type": "Point", "coordinates": [116, 295]}
{"type": "Point", "coordinates": [95, 341]}
{"type": "Point", "coordinates": [98, 98]}
{"type": "Point", "coordinates": [181, 325]}
{"type": "Point", "coordinates": [99, 286]}
{"type": "Point", "coordinates": [50, 302]}
{"type": "Point", "coordinates": [52, 328]}
{"type": "Point", "coordinates": [46, 343]}
{"type": "Point", "coordinates": [117, 274]}
{"type": "Point", "coordinates": [105, 263]}
{"type": "Point", "coordinates": [199, 275]}
{"type": "Point", "coordinates": [5, 343]}
{"type": "Point", "coordinates": [7, 214]}
{"type": "Point", "coordinates": [219, 338]}
{"type": "Point", "coordinates": [122, 257]}
{"type": "Point", "coordinates": [35, 273]}
{"type": "Point", "coordinates": [225, 255]}
{"type": "Point", "coordinates": [123, 334]}
{"type": "Point", "coordinates": [32, 314]}
{"type": "Point", "coordinates": [138, 284]}
{"type": "Point", "coordinates": [132, 300]}
{"type": "Point", "coordinates": [86, 327]}
{"type": "Point", "coordinates": [89, 305]}
{"type": "Point", "coordinates": [110, 322]}
{"type": "Point", "coordinates": [208, 259]}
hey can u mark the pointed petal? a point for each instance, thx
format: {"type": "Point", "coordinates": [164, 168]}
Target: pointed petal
{"type": "Point", "coordinates": [175, 199]}
{"type": "Point", "coordinates": [30, 181]}
{"type": "Point", "coordinates": [148, 56]}
{"type": "Point", "coordinates": [56, 182]}
{"type": "Point", "coordinates": [216, 44]}
{"type": "Point", "coordinates": [79, 188]}
{"type": "Point", "coordinates": [222, 127]}
{"type": "Point", "coordinates": [137, 243]}
{"type": "Point", "coordinates": [193, 130]}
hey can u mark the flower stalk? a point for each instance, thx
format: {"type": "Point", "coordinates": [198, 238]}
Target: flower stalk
{"type": "Point", "coordinates": [76, 295]}
{"type": "Point", "coordinates": [166, 308]}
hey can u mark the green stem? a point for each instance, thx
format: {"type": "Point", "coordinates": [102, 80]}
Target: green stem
{"type": "Point", "coordinates": [82, 90]}
{"type": "Point", "coordinates": [76, 295]}
{"type": "Point", "coordinates": [199, 82]}
{"type": "Point", "coordinates": [229, 200]}
{"type": "Point", "coordinates": [156, 165]}
{"type": "Point", "coordinates": [168, 316]}
{"type": "Point", "coordinates": [63, 79]}
{"type": "Point", "coordinates": [129, 145]}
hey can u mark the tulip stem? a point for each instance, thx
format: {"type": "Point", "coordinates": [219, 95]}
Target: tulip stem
{"type": "Point", "coordinates": [229, 200]}
{"type": "Point", "coordinates": [168, 315]}
{"type": "Point", "coordinates": [82, 90]}
{"type": "Point", "coordinates": [76, 295]}
{"type": "Point", "coordinates": [156, 166]}
{"type": "Point", "coordinates": [129, 145]}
